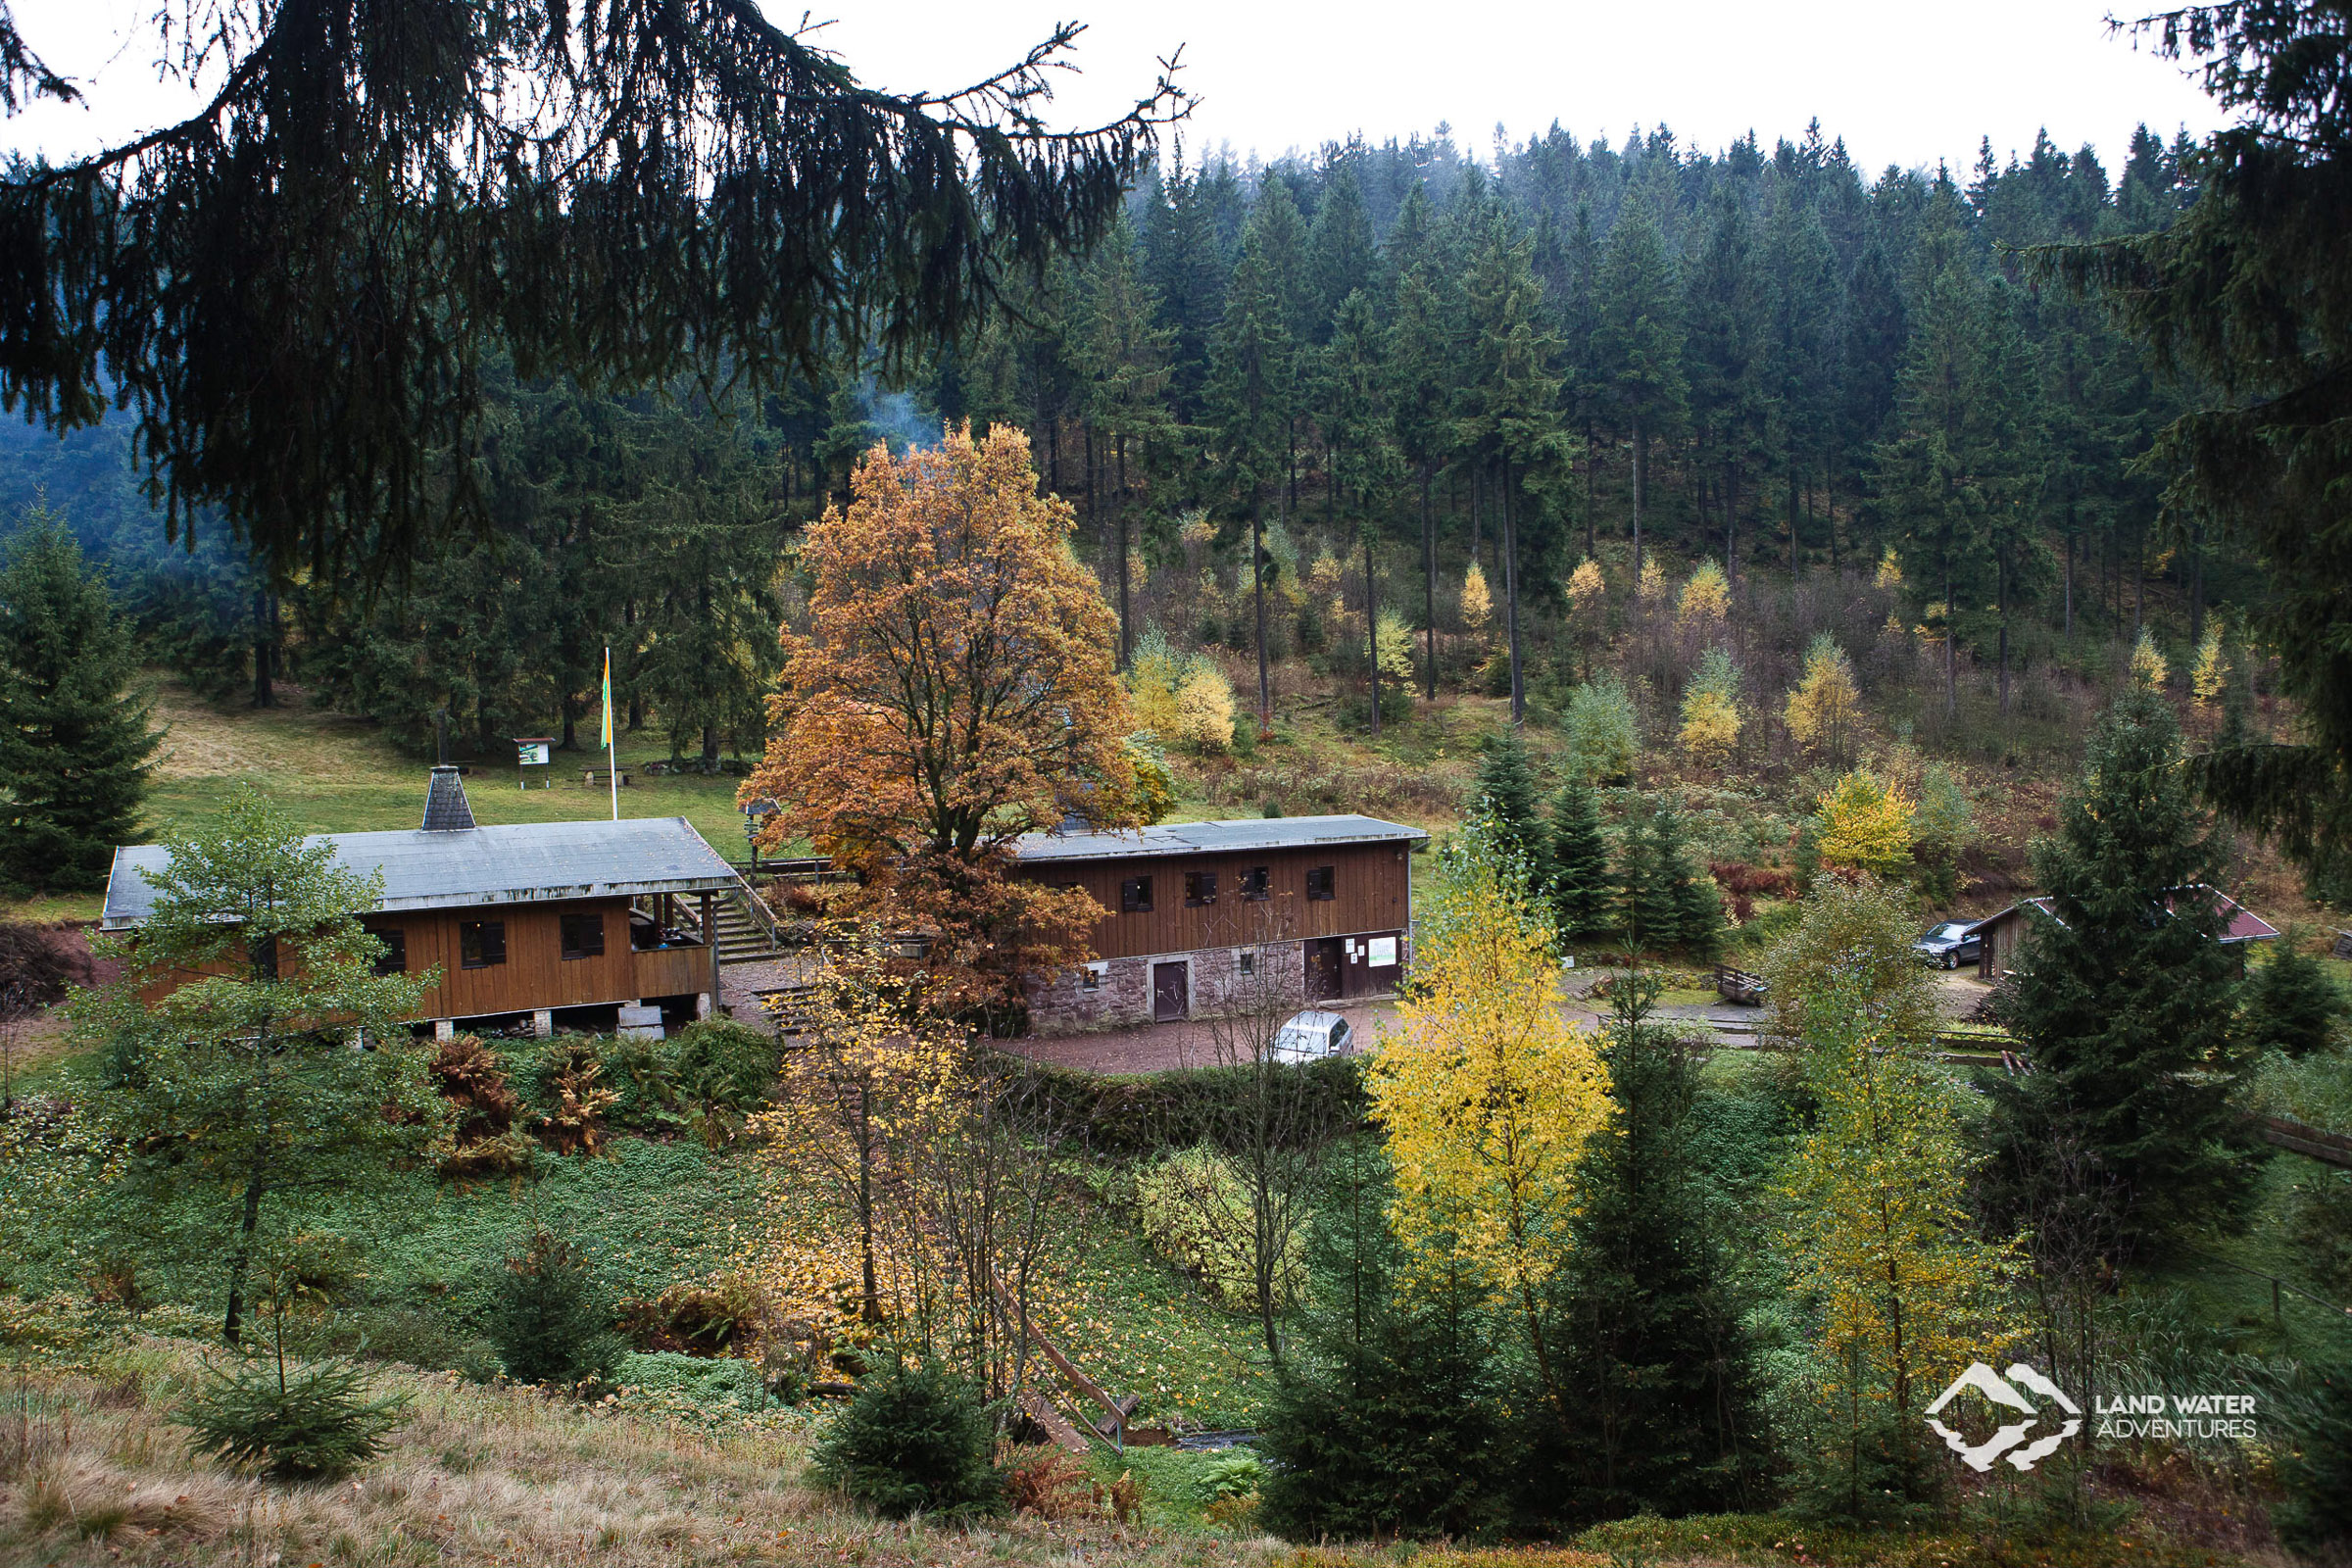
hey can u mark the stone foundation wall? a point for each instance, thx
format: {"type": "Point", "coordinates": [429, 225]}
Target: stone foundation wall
{"type": "Point", "coordinates": [1122, 998]}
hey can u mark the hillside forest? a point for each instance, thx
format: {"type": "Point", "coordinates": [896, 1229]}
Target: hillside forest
{"type": "Point", "coordinates": [1738, 561]}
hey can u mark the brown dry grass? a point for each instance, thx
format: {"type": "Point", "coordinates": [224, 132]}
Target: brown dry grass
{"type": "Point", "coordinates": [94, 1471]}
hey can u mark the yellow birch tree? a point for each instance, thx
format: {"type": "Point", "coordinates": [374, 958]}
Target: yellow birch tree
{"type": "Point", "coordinates": [1823, 709]}
{"type": "Point", "coordinates": [1865, 824]}
{"type": "Point", "coordinates": [1486, 1093]}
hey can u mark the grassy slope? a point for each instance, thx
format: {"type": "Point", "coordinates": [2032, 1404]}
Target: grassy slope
{"type": "Point", "coordinates": [342, 775]}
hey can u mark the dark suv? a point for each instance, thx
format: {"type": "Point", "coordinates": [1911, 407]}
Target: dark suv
{"type": "Point", "coordinates": [1949, 945]}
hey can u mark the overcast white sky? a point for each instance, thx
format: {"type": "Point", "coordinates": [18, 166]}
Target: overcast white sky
{"type": "Point", "coordinates": [1902, 81]}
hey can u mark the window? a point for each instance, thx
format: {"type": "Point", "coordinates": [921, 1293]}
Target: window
{"type": "Point", "coordinates": [1200, 889]}
{"type": "Point", "coordinates": [394, 960]}
{"type": "Point", "coordinates": [583, 936]}
{"type": "Point", "coordinates": [1322, 882]}
{"type": "Point", "coordinates": [1257, 884]}
{"type": "Point", "coordinates": [262, 956]}
{"type": "Point", "coordinates": [1135, 896]}
{"type": "Point", "coordinates": [1090, 977]}
{"type": "Point", "coordinates": [1249, 963]}
{"type": "Point", "coordinates": [481, 944]}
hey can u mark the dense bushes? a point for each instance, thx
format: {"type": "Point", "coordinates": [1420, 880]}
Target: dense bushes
{"type": "Point", "coordinates": [1150, 1113]}
{"type": "Point", "coordinates": [914, 1441]}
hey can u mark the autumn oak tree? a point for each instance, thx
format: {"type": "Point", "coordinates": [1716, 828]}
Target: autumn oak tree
{"type": "Point", "coordinates": [953, 690]}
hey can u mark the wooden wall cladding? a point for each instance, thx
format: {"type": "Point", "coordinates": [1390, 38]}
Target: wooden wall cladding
{"type": "Point", "coordinates": [536, 974]}
{"type": "Point", "coordinates": [1372, 886]}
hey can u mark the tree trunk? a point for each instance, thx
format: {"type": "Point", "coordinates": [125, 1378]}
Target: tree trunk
{"type": "Point", "coordinates": [1951, 642]}
{"type": "Point", "coordinates": [1257, 577]}
{"type": "Point", "coordinates": [1510, 595]}
{"type": "Point", "coordinates": [1828, 512]}
{"type": "Point", "coordinates": [1640, 494]}
{"type": "Point", "coordinates": [2070, 567]}
{"type": "Point", "coordinates": [1429, 586]}
{"type": "Point", "coordinates": [1794, 547]}
{"type": "Point", "coordinates": [1591, 521]}
{"type": "Point", "coordinates": [241, 1259]}
{"type": "Point", "coordinates": [1126, 601]}
{"type": "Point", "coordinates": [2001, 566]}
{"type": "Point", "coordinates": [2140, 578]}
{"type": "Point", "coordinates": [1372, 628]}
{"type": "Point", "coordinates": [2196, 583]}
{"type": "Point", "coordinates": [1478, 491]}
{"type": "Point", "coordinates": [1731, 520]}
{"type": "Point", "coordinates": [264, 696]}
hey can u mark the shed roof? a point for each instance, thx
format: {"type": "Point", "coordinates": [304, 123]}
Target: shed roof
{"type": "Point", "coordinates": [1242, 835]}
{"type": "Point", "coordinates": [525, 862]}
{"type": "Point", "coordinates": [2238, 923]}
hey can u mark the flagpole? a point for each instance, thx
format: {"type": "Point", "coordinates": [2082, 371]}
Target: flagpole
{"type": "Point", "coordinates": [612, 737]}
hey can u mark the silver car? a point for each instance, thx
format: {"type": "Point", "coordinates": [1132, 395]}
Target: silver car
{"type": "Point", "coordinates": [1311, 1036]}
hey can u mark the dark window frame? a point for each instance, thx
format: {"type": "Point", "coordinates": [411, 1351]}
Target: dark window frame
{"type": "Point", "coordinates": [394, 960]}
{"type": "Point", "coordinates": [1248, 961]}
{"type": "Point", "coordinates": [1257, 884]}
{"type": "Point", "coordinates": [571, 926]}
{"type": "Point", "coordinates": [1322, 882]}
{"type": "Point", "coordinates": [1135, 895]}
{"type": "Point", "coordinates": [486, 936]}
{"type": "Point", "coordinates": [1200, 889]}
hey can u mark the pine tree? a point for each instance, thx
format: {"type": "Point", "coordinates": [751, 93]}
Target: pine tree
{"type": "Point", "coordinates": [2123, 994]}
{"type": "Point", "coordinates": [2292, 1003]}
{"type": "Point", "coordinates": [1661, 1414]}
{"type": "Point", "coordinates": [1581, 890]}
{"type": "Point", "coordinates": [75, 742]}
{"type": "Point", "coordinates": [1638, 342]}
{"type": "Point", "coordinates": [1506, 787]}
{"type": "Point", "coordinates": [1510, 402]}
{"type": "Point", "coordinates": [1725, 355]}
{"type": "Point", "coordinates": [1251, 387]}
{"type": "Point", "coordinates": [1695, 904]}
{"type": "Point", "coordinates": [1380, 1421]}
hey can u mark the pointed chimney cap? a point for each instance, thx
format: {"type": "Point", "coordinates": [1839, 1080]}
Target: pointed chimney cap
{"type": "Point", "coordinates": [445, 809]}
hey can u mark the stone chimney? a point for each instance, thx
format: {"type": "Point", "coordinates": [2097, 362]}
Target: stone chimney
{"type": "Point", "coordinates": [445, 807]}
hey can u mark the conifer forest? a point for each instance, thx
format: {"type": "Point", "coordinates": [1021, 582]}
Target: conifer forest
{"type": "Point", "coordinates": [750, 817]}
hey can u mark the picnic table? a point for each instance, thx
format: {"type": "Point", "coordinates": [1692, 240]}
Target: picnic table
{"type": "Point", "coordinates": [595, 778]}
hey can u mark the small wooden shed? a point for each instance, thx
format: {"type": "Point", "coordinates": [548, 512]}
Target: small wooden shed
{"type": "Point", "coordinates": [529, 920]}
{"type": "Point", "coordinates": [2003, 934]}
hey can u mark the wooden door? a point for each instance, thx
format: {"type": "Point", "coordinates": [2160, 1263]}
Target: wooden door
{"type": "Point", "coordinates": [1171, 991]}
{"type": "Point", "coordinates": [1324, 968]}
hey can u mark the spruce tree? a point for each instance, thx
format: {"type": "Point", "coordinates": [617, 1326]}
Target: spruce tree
{"type": "Point", "coordinates": [1660, 1412]}
{"type": "Point", "coordinates": [1581, 887]}
{"type": "Point", "coordinates": [1698, 905]}
{"type": "Point", "coordinates": [1381, 1422]}
{"type": "Point", "coordinates": [1647, 916]}
{"type": "Point", "coordinates": [2124, 995]}
{"type": "Point", "coordinates": [1251, 387]}
{"type": "Point", "coordinates": [75, 742]}
{"type": "Point", "coordinates": [1638, 342]}
{"type": "Point", "coordinates": [1506, 785]}
{"type": "Point", "coordinates": [2292, 1004]}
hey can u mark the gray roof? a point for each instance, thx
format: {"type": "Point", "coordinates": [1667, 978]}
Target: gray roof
{"type": "Point", "coordinates": [1239, 836]}
{"type": "Point", "coordinates": [526, 862]}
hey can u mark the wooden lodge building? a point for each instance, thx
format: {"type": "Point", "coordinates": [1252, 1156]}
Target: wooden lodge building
{"type": "Point", "coordinates": [2003, 935]}
{"type": "Point", "coordinates": [1191, 908]}
{"type": "Point", "coordinates": [587, 924]}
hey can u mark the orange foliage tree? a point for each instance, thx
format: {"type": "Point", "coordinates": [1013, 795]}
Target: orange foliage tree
{"type": "Point", "coordinates": [954, 690]}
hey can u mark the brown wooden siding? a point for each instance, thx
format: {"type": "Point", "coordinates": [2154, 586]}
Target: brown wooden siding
{"type": "Point", "coordinates": [1372, 888]}
{"type": "Point", "coordinates": [536, 974]}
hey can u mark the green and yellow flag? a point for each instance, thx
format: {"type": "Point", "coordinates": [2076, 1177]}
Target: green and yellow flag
{"type": "Point", "coordinates": [606, 741]}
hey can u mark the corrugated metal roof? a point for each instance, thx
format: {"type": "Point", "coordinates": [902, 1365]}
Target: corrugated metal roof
{"type": "Point", "coordinates": [525, 862]}
{"type": "Point", "coordinates": [1239, 836]}
{"type": "Point", "coordinates": [2238, 923]}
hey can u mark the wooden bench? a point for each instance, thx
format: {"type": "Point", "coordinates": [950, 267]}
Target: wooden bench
{"type": "Point", "coordinates": [1739, 986]}
{"type": "Point", "coordinates": [597, 778]}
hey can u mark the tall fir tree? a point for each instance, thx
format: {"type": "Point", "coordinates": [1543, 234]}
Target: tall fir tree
{"type": "Point", "coordinates": [1582, 891]}
{"type": "Point", "coordinates": [2124, 995]}
{"type": "Point", "coordinates": [1251, 391]}
{"type": "Point", "coordinates": [1638, 343]}
{"type": "Point", "coordinates": [1662, 1415]}
{"type": "Point", "coordinates": [1507, 788]}
{"type": "Point", "coordinates": [75, 742]}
